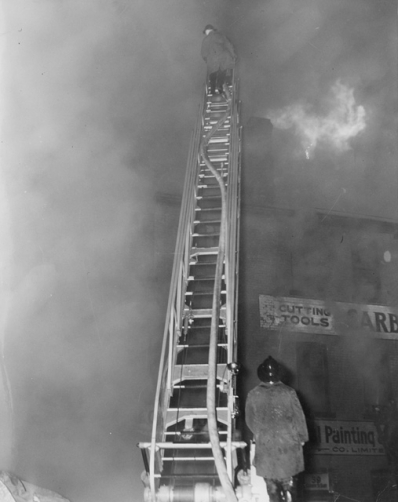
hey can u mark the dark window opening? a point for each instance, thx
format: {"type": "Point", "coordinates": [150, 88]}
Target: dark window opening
{"type": "Point", "coordinates": [378, 377]}
{"type": "Point", "coordinates": [366, 272]}
{"type": "Point", "coordinates": [312, 377]}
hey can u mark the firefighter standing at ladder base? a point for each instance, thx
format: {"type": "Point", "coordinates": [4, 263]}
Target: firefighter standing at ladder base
{"type": "Point", "coordinates": [275, 416]}
{"type": "Point", "coordinates": [219, 54]}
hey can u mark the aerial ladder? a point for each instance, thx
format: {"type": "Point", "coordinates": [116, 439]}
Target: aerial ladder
{"type": "Point", "coordinates": [192, 455]}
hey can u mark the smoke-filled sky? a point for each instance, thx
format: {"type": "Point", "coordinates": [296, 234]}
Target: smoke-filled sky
{"type": "Point", "coordinates": [98, 98]}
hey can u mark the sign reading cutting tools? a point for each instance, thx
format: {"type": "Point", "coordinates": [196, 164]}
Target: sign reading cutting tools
{"type": "Point", "coordinates": [330, 318]}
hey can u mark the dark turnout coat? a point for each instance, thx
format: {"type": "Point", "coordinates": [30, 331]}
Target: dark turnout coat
{"type": "Point", "coordinates": [275, 416]}
{"type": "Point", "coordinates": [218, 52]}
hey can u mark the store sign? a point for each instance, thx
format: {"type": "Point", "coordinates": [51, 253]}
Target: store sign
{"type": "Point", "coordinates": [330, 318]}
{"type": "Point", "coordinates": [317, 481]}
{"type": "Point", "coordinates": [336, 437]}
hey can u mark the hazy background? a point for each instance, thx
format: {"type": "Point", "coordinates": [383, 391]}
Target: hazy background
{"type": "Point", "coordinates": [98, 99]}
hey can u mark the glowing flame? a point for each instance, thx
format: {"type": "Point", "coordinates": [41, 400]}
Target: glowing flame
{"type": "Point", "coordinates": [344, 121]}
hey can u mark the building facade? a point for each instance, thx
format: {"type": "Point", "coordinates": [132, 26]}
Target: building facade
{"type": "Point", "coordinates": [318, 292]}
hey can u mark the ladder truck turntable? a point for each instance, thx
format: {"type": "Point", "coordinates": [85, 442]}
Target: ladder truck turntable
{"type": "Point", "coordinates": [192, 455]}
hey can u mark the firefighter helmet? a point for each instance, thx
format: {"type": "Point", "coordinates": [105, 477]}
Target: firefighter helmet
{"type": "Point", "coordinates": [269, 370]}
{"type": "Point", "coordinates": [208, 27]}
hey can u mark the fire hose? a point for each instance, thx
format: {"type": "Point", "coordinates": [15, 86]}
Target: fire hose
{"type": "Point", "coordinates": [216, 306]}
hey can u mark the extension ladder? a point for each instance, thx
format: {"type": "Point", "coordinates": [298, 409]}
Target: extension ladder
{"type": "Point", "coordinates": [179, 457]}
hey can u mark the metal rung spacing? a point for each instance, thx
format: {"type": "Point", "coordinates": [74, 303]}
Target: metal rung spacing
{"type": "Point", "coordinates": [223, 140]}
{"type": "Point", "coordinates": [179, 459]}
{"type": "Point", "coordinates": [191, 446]}
{"type": "Point", "coordinates": [179, 433]}
{"type": "Point", "coordinates": [181, 346]}
{"type": "Point", "coordinates": [218, 147]}
{"type": "Point", "coordinates": [197, 372]}
{"type": "Point", "coordinates": [218, 158]}
{"type": "Point", "coordinates": [202, 251]}
{"type": "Point", "coordinates": [177, 414]}
{"type": "Point", "coordinates": [185, 409]}
{"type": "Point", "coordinates": [208, 174]}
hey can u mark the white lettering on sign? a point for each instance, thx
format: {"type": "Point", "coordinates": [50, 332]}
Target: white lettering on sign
{"type": "Point", "coordinates": [346, 438]}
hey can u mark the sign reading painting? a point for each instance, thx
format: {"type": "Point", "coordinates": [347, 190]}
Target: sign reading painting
{"type": "Point", "coordinates": [315, 316]}
{"type": "Point", "coordinates": [336, 437]}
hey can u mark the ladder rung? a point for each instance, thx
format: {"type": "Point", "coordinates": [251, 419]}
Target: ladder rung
{"type": "Point", "coordinates": [218, 158]}
{"type": "Point", "coordinates": [196, 234]}
{"type": "Point", "coordinates": [222, 171]}
{"type": "Point", "coordinates": [204, 186]}
{"type": "Point", "coordinates": [209, 119]}
{"type": "Point", "coordinates": [207, 222]}
{"type": "Point", "coordinates": [217, 151]}
{"type": "Point", "coordinates": [213, 120]}
{"type": "Point", "coordinates": [178, 459]}
{"type": "Point", "coordinates": [204, 279]}
{"type": "Point", "coordinates": [207, 209]}
{"type": "Point", "coordinates": [215, 110]}
{"type": "Point", "coordinates": [203, 313]}
{"type": "Point", "coordinates": [223, 140]}
{"type": "Point", "coordinates": [203, 293]}
{"type": "Point", "coordinates": [185, 345]}
{"type": "Point", "coordinates": [177, 414]}
{"type": "Point", "coordinates": [190, 476]}
{"type": "Point", "coordinates": [190, 386]}
{"type": "Point", "coordinates": [224, 128]}
{"type": "Point", "coordinates": [222, 168]}
{"type": "Point", "coordinates": [181, 433]}
{"type": "Point", "coordinates": [201, 197]}
{"type": "Point", "coordinates": [209, 174]}
{"type": "Point", "coordinates": [216, 105]}
{"type": "Point", "coordinates": [196, 251]}
{"type": "Point", "coordinates": [197, 372]}
{"type": "Point", "coordinates": [192, 278]}
{"type": "Point", "coordinates": [192, 446]}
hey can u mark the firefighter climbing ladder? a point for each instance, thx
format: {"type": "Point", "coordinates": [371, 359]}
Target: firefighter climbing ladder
{"type": "Point", "coordinates": [179, 460]}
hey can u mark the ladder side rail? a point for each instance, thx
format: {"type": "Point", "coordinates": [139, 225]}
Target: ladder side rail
{"type": "Point", "coordinates": [172, 323]}
{"type": "Point", "coordinates": [233, 244]}
{"type": "Point", "coordinates": [230, 268]}
{"type": "Point", "coordinates": [174, 309]}
{"type": "Point", "coordinates": [178, 285]}
{"type": "Point", "coordinates": [230, 225]}
{"type": "Point", "coordinates": [235, 256]}
{"type": "Point", "coordinates": [229, 288]}
{"type": "Point", "coordinates": [231, 189]}
{"type": "Point", "coordinates": [178, 311]}
{"type": "Point", "coordinates": [163, 389]}
{"type": "Point", "coordinates": [184, 270]}
{"type": "Point", "coordinates": [189, 216]}
{"type": "Point", "coordinates": [168, 338]}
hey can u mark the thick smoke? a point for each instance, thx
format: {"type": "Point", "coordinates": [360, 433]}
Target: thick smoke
{"type": "Point", "coordinates": [343, 120]}
{"type": "Point", "coordinates": [292, 54]}
{"type": "Point", "coordinates": [98, 99]}
{"type": "Point", "coordinates": [94, 96]}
